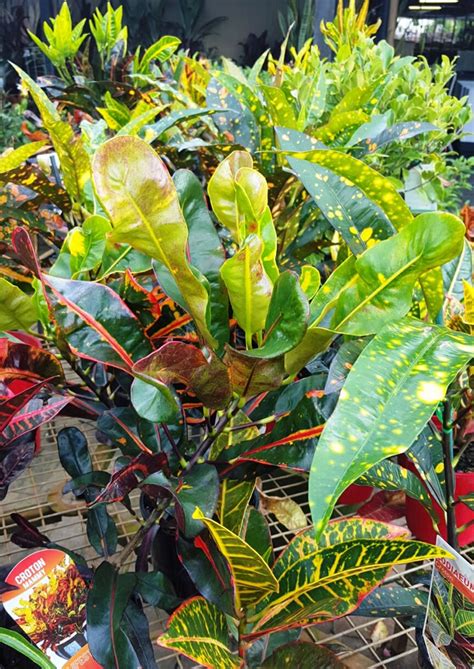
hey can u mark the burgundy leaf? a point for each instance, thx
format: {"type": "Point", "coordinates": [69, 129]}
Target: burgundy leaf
{"type": "Point", "coordinates": [25, 250]}
{"type": "Point", "coordinates": [14, 460]}
{"type": "Point", "coordinates": [32, 416]}
{"type": "Point", "coordinates": [125, 480]}
{"type": "Point", "coordinates": [16, 402]}
{"type": "Point", "coordinates": [26, 535]}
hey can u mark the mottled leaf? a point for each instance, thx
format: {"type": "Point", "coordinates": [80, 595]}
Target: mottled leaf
{"type": "Point", "coordinates": [233, 501]}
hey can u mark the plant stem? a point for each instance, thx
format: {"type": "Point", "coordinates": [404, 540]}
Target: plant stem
{"type": "Point", "coordinates": [87, 380]}
{"type": "Point", "coordinates": [212, 436]}
{"type": "Point", "coordinates": [154, 516]}
{"type": "Point", "coordinates": [447, 442]}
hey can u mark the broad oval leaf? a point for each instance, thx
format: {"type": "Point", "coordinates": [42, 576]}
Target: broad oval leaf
{"type": "Point", "coordinates": [221, 190]}
{"type": "Point", "coordinates": [137, 192]}
{"type": "Point", "coordinates": [251, 575]}
{"type": "Point", "coordinates": [17, 309]}
{"type": "Point", "coordinates": [411, 365]}
{"type": "Point", "coordinates": [199, 630]}
{"type": "Point", "coordinates": [248, 286]}
{"type": "Point", "coordinates": [97, 324]}
{"type": "Point", "coordinates": [250, 376]}
{"type": "Point", "coordinates": [386, 274]}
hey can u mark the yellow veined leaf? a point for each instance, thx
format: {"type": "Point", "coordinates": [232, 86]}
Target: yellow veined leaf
{"type": "Point", "coordinates": [468, 316]}
{"type": "Point", "coordinates": [73, 157]}
{"type": "Point", "coordinates": [252, 577]}
{"type": "Point", "coordinates": [233, 501]}
{"type": "Point", "coordinates": [323, 584]}
{"type": "Point", "coordinates": [199, 630]}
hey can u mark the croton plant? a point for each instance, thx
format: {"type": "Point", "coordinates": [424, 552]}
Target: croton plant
{"type": "Point", "coordinates": [208, 358]}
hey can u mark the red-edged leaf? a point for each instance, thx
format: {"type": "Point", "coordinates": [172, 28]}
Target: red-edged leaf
{"type": "Point", "coordinates": [14, 460]}
{"type": "Point", "coordinates": [125, 480]}
{"type": "Point", "coordinates": [290, 444]}
{"type": "Point", "coordinates": [32, 416]}
{"type": "Point", "coordinates": [177, 362]}
{"type": "Point", "coordinates": [20, 361]}
{"type": "Point", "coordinates": [15, 403]}
{"type": "Point", "coordinates": [96, 322]}
{"type": "Point", "coordinates": [25, 250]}
{"type": "Point", "coordinates": [25, 534]}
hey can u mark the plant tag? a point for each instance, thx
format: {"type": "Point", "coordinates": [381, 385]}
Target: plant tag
{"type": "Point", "coordinates": [49, 604]}
{"type": "Point", "coordinates": [449, 624]}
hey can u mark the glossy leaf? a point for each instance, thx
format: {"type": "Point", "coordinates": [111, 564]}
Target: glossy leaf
{"type": "Point", "coordinates": [178, 362]}
{"type": "Point", "coordinates": [28, 362]}
{"type": "Point", "coordinates": [264, 646]}
{"type": "Point", "coordinates": [250, 376]}
{"type": "Point", "coordinates": [83, 248]}
{"type": "Point", "coordinates": [251, 575]}
{"type": "Point", "coordinates": [17, 309]}
{"type": "Point", "coordinates": [153, 402]}
{"type": "Point", "coordinates": [199, 630]}
{"type": "Point", "coordinates": [138, 193]}
{"type": "Point", "coordinates": [376, 187]}
{"type": "Point", "coordinates": [221, 190]}
{"type": "Point", "coordinates": [397, 133]}
{"type": "Point", "coordinates": [310, 281]}
{"type": "Point", "coordinates": [33, 415]}
{"type": "Point", "coordinates": [15, 402]}
{"type": "Point", "coordinates": [393, 600]}
{"type": "Point", "coordinates": [411, 365]}
{"type": "Point", "coordinates": [125, 480]}
{"type": "Point", "coordinates": [287, 317]}
{"type": "Point", "coordinates": [137, 629]}
{"type": "Point", "coordinates": [73, 157]}
{"type": "Point", "coordinates": [18, 642]}
{"type": "Point", "coordinates": [304, 655]}
{"type": "Point", "coordinates": [156, 589]}
{"type": "Point", "coordinates": [323, 584]}
{"type": "Point", "coordinates": [281, 111]}
{"type": "Point", "coordinates": [358, 220]}
{"type": "Point", "coordinates": [199, 488]}
{"type": "Point", "coordinates": [290, 444]}
{"type": "Point", "coordinates": [386, 274]}
{"type": "Point", "coordinates": [233, 501]}
{"type": "Point", "coordinates": [205, 248]}
{"type": "Point", "coordinates": [456, 271]}
{"type": "Point", "coordinates": [97, 324]}
{"type": "Point", "coordinates": [348, 529]}
{"type": "Point", "coordinates": [248, 285]}
{"type": "Point", "coordinates": [256, 533]}
{"type": "Point", "coordinates": [10, 160]}
{"type": "Point", "coordinates": [156, 130]}
{"type": "Point", "coordinates": [106, 603]}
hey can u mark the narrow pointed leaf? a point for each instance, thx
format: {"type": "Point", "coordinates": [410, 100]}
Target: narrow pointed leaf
{"type": "Point", "coordinates": [199, 630]}
{"type": "Point", "coordinates": [251, 575]}
{"type": "Point", "coordinates": [233, 500]}
{"type": "Point", "coordinates": [13, 159]}
{"type": "Point", "coordinates": [359, 220]}
{"type": "Point", "coordinates": [324, 584]}
{"type": "Point", "coordinates": [138, 193]}
{"type": "Point", "coordinates": [412, 365]}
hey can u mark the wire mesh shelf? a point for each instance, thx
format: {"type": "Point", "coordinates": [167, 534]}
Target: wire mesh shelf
{"type": "Point", "coordinates": [361, 643]}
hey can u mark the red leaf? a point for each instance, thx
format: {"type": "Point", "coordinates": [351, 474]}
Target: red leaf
{"type": "Point", "coordinates": [125, 480]}
{"type": "Point", "coordinates": [33, 416]}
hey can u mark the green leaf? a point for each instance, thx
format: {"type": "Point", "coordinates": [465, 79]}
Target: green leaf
{"type": "Point", "coordinates": [248, 286]}
{"type": "Point", "coordinates": [160, 50]}
{"type": "Point", "coordinates": [205, 249]}
{"type": "Point", "coordinates": [199, 630]}
{"type": "Point", "coordinates": [464, 622]}
{"type": "Point", "coordinates": [106, 603]}
{"type": "Point", "coordinates": [411, 365]}
{"type": "Point", "coordinates": [304, 655]}
{"type": "Point", "coordinates": [21, 645]}
{"type": "Point", "coordinates": [310, 280]}
{"type": "Point", "coordinates": [281, 111]}
{"type": "Point", "coordinates": [138, 193]}
{"type": "Point", "coordinates": [358, 220]}
{"type": "Point", "coordinates": [97, 324]}
{"type": "Point", "coordinates": [340, 124]}
{"type": "Point", "coordinates": [73, 158]}
{"type": "Point", "coordinates": [233, 500]}
{"type": "Point", "coordinates": [17, 310]}
{"type": "Point", "coordinates": [388, 601]}
{"type": "Point", "coordinates": [156, 130]}
{"type": "Point", "coordinates": [221, 190]}
{"type": "Point", "coordinates": [13, 159]}
{"type": "Point", "coordinates": [386, 274]}
{"type": "Point", "coordinates": [287, 317]}
{"type": "Point", "coordinates": [153, 401]}
{"type": "Point", "coordinates": [455, 272]}
{"type": "Point", "coordinates": [156, 589]}
{"type": "Point", "coordinates": [198, 490]}
{"type": "Point", "coordinates": [317, 585]}
{"type": "Point", "coordinates": [377, 188]}
{"type": "Point", "coordinates": [256, 533]}
{"type": "Point", "coordinates": [83, 248]}
{"type": "Point", "coordinates": [251, 575]}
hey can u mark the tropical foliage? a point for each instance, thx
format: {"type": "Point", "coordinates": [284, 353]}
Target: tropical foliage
{"type": "Point", "coordinates": [280, 306]}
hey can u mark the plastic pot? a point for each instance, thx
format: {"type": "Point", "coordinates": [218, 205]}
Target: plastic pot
{"type": "Point", "coordinates": [418, 518]}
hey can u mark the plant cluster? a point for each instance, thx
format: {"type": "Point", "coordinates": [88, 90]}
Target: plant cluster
{"type": "Point", "coordinates": [279, 306]}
